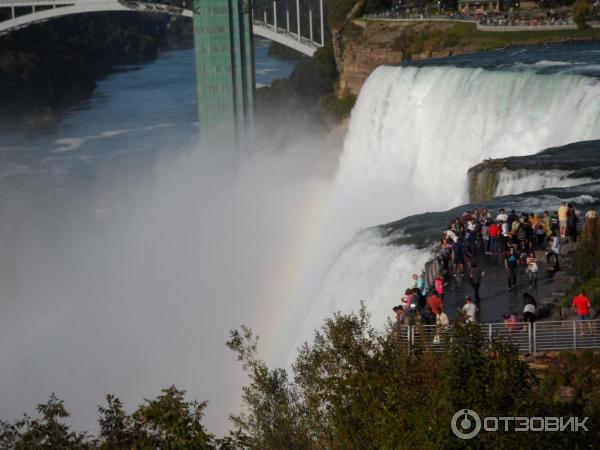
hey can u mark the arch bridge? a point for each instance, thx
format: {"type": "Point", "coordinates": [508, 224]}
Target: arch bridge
{"type": "Point", "coordinates": [223, 40]}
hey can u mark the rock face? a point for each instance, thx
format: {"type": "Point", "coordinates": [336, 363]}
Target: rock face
{"type": "Point", "coordinates": [483, 179]}
{"type": "Point", "coordinates": [361, 46]}
{"type": "Point", "coordinates": [568, 165]}
{"type": "Point", "coordinates": [360, 61]}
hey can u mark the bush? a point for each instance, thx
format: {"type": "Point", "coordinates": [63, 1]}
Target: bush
{"type": "Point", "coordinates": [354, 387]}
{"type": "Point", "coordinates": [338, 107]}
{"type": "Point", "coordinates": [581, 13]}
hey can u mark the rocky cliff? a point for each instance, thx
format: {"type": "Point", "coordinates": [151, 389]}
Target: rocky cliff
{"type": "Point", "coordinates": [364, 45]}
{"type": "Point", "coordinates": [568, 165]}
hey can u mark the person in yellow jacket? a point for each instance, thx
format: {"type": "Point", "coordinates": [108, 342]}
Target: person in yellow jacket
{"type": "Point", "coordinates": [547, 222]}
{"type": "Point", "coordinates": [563, 216]}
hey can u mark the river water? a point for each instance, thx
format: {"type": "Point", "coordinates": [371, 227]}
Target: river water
{"type": "Point", "coordinates": [134, 115]}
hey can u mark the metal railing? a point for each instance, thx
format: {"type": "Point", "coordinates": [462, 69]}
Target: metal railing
{"type": "Point", "coordinates": [527, 337]}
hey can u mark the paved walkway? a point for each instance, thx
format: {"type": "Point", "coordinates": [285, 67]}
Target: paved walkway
{"type": "Point", "coordinates": [496, 299]}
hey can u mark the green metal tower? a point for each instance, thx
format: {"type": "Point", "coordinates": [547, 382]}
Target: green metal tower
{"type": "Point", "coordinates": [224, 66]}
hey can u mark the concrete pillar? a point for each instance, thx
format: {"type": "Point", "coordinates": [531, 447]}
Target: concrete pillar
{"type": "Point", "coordinates": [224, 67]}
{"type": "Point", "coordinates": [298, 18]}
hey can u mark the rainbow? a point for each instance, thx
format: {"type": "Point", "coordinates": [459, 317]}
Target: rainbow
{"type": "Point", "coordinates": [286, 287]}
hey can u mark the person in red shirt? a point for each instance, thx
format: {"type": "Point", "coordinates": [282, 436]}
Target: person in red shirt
{"type": "Point", "coordinates": [494, 232]}
{"type": "Point", "coordinates": [581, 305]}
{"type": "Point", "coordinates": [435, 303]}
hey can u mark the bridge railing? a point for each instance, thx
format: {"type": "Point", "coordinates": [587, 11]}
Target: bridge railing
{"type": "Point", "coordinates": [527, 337]}
{"type": "Point", "coordinates": [304, 21]}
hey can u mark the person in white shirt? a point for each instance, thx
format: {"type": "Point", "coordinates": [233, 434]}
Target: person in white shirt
{"type": "Point", "coordinates": [554, 251]}
{"type": "Point", "coordinates": [451, 235]}
{"type": "Point", "coordinates": [502, 216]}
{"type": "Point", "coordinates": [469, 310]}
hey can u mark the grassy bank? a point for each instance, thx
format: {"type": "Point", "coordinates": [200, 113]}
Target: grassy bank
{"type": "Point", "coordinates": [468, 36]}
{"type": "Point", "coordinates": [416, 37]}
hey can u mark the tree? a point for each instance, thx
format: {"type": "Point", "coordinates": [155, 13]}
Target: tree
{"type": "Point", "coordinates": [581, 13]}
{"type": "Point", "coordinates": [47, 432]}
{"type": "Point", "coordinates": [167, 422]}
{"type": "Point", "coordinates": [275, 417]}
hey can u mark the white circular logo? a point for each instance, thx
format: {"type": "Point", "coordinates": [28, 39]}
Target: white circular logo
{"type": "Point", "coordinates": [466, 424]}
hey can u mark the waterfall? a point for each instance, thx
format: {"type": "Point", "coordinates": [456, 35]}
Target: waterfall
{"type": "Point", "coordinates": [413, 134]}
{"type": "Point", "coordinates": [414, 131]}
{"type": "Point", "coordinates": [512, 182]}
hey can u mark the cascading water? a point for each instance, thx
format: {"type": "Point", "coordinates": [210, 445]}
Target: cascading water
{"type": "Point", "coordinates": [512, 182]}
{"type": "Point", "coordinates": [415, 131]}
{"type": "Point", "coordinates": [413, 135]}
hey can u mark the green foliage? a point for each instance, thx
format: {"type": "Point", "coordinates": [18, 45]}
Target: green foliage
{"type": "Point", "coordinates": [170, 422]}
{"type": "Point", "coordinates": [466, 37]}
{"type": "Point", "coordinates": [587, 261]}
{"type": "Point", "coordinates": [167, 422]}
{"type": "Point", "coordinates": [338, 10]}
{"type": "Point", "coordinates": [311, 79]}
{"type": "Point", "coordinates": [337, 107]}
{"type": "Point", "coordinates": [581, 13]}
{"type": "Point", "coordinates": [48, 432]}
{"type": "Point", "coordinates": [588, 252]}
{"type": "Point", "coordinates": [274, 418]}
{"type": "Point", "coordinates": [357, 388]}
{"type": "Point", "coordinates": [373, 6]}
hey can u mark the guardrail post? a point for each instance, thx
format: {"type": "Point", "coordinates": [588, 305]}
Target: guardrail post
{"type": "Point", "coordinates": [530, 337]}
{"type": "Point", "coordinates": [490, 332]}
{"type": "Point", "coordinates": [12, 12]}
{"type": "Point", "coordinates": [287, 15]}
{"type": "Point", "coordinates": [298, 18]}
{"type": "Point", "coordinates": [409, 336]}
{"type": "Point", "coordinates": [574, 335]}
{"type": "Point", "coordinates": [265, 16]}
{"type": "Point", "coordinates": [322, 23]}
{"type": "Point", "coordinates": [534, 337]}
{"type": "Point", "coordinates": [310, 21]}
{"type": "Point", "coordinates": [275, 16]}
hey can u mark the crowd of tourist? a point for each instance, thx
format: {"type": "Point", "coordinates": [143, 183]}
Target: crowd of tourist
{"type": "Point", "coordinates": [506, 238]}
{"type": "Point", "coordinates": [488, 18]}
{"type": "Point", "coordinates": [550, 18]}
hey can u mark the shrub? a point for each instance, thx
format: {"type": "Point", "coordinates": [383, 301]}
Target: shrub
{"type": "Point", "coordinates": [581, 13]}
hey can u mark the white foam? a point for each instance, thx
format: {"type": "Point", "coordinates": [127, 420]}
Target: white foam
{"type": "Point", "coordinates": [512, 182]}
{"type": "Point", "coordinates": [371, 270]}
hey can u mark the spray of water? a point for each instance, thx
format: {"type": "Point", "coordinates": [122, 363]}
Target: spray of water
{"type": "Point", "coordinates": [126, 286]}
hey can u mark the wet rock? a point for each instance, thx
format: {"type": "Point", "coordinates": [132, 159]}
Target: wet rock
{"type": "Point", "coordinates": [577, 161]}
